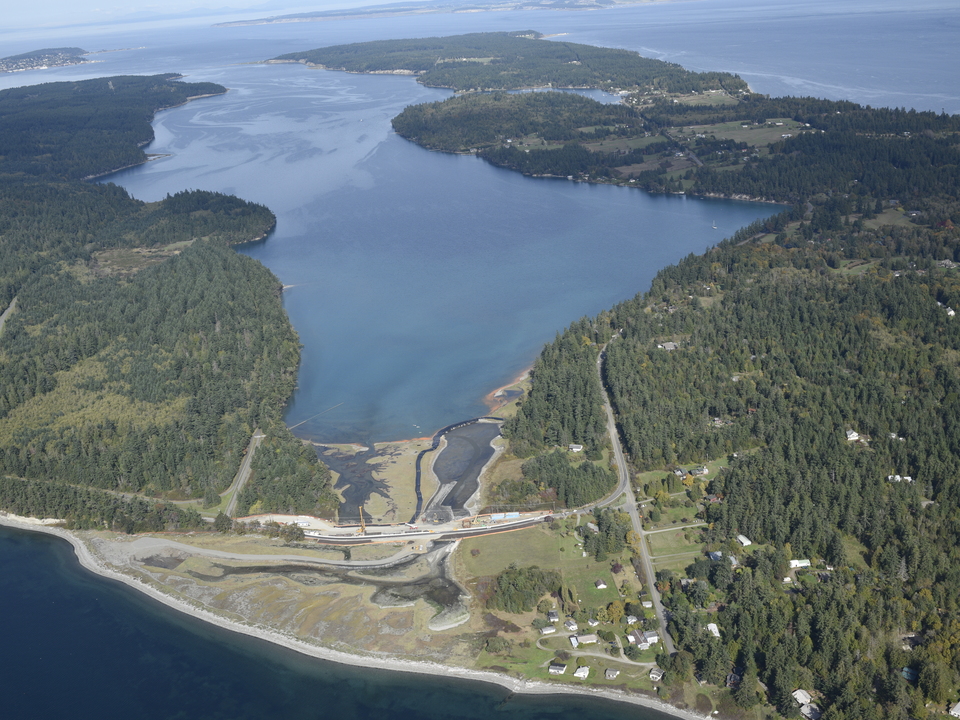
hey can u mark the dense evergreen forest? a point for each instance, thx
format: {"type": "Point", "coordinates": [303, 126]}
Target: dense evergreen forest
{"type": "Point", "coordinates": [825, 371]}
{"type": "Point", "coordinates": [147, 380]}
{"type": "Point", "coordinates": [512, 60]}
{"type": "Point", "coordinates": [480, 120]}
{"type": "Point", "coordinates": [832, 145]}
{"type": "Point", "coordinates": [71, 130]}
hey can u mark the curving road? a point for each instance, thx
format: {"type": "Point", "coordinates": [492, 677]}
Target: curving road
{"type": "Point", "coordinates": [6, 313]}
{"type": "Point", "coordinates": [625, 489]}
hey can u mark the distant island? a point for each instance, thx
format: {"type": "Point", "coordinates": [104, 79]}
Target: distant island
{"type": "Point", "coordinates": [46, 58]}
{"type": "Point", "coordinates": [439, 6]}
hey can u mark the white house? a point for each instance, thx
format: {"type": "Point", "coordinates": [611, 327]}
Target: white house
{"type": "Point", "coordinates": [557, 669]}
{"type": "Point", "coordinates": [713, 629]}
{"type": "Point", "coordinates": [955, 710]}
{"type": "Point", "coordinates": [794, 564]}
{"type": "Point", "coordinates": [582, 672]}
{"type": "Point", "coordinates": [588, 639]}
{"type": "Point", "coordinates": [802, 697]}
{"type": "Point", "coordinates": [611, 674]}
{"type": "Point", "coordinates": [571, 626]}
{"type": "Point", "coordinates": [744, 540]}
{"type": "Point", "coordinates": [548, 630]}
{"type": "Point", "coordinates": [643, 640]}
{"type": "Point", "coordinates": [900, 478]}
{"type": "Point", "coordinates": [852, 435]}
{"type": "Point", "coordinates": [601, 585]}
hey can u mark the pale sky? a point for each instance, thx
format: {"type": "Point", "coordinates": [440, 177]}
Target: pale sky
{"type": "Point", "coordinates": [58, 13]}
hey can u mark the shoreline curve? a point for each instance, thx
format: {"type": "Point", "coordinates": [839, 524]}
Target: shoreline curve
{"type": "Point", "coordinates": [88, 560]}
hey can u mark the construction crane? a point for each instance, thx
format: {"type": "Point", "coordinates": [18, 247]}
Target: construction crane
{"type": "Point", "coordinates": [363, 524]}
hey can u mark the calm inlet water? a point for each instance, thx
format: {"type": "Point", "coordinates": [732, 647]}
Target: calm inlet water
{"type": "Point", "coordinates": [421, 281]}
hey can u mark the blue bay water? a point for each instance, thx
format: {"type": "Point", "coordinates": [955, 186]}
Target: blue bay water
{"type": "Point", "coordinates": [419, 282]}
{"type": "Point", "coordinates": [410, 309]}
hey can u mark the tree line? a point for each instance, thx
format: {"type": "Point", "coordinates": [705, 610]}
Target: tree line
{"type": "Point", "coordinates": [512, 60]}
{"type": "Point", "coordinates": [71, 130]}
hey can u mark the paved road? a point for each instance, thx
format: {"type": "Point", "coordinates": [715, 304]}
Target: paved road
{"type": "Point", "coordinates": [243, 474]}
{"type": "Point", "coordinates": [432, 535]}
{"type": "Point", "coordinates": [625, 488]}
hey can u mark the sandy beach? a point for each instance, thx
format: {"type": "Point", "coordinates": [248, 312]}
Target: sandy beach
{"type": "Point", "coordinates": [89, 559]}
{"type": "Point", "coordinates": [495, 399]}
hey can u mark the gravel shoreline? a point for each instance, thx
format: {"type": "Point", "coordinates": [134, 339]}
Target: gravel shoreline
{"type": "Point", "coordinates": [91, 562]}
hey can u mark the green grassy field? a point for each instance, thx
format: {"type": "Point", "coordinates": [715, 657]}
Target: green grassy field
{"type": "Point", "coordinates": [670, 516]}
{"type": "Point", "coordinates": [673, 542]}
{"type": "Point", "coordinates": [531, 546]}
{"type": "Point", "coordinates": [677, 563]}
{"type": "Point", "coordinates": [613, 144]}
{"type": "Point", "coordinates": [753, 135]}
{"type": "Point", "coordinates": [554, 550]}
{"type": "Point", "coordinates": [710, 97]}
{"type": "Point", "coordinates": [855, 267]}
{"type": "Point", "coordinates": [891, 216]}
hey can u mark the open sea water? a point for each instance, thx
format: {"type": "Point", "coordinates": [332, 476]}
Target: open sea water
{"type": "Point", "coordinates": [419, 282]}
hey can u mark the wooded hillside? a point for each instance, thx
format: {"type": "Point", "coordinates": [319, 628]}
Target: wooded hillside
{"type": "Point", "coordinates": [825, 373]}
{"type": "Point", "coordinates": [144, 372]}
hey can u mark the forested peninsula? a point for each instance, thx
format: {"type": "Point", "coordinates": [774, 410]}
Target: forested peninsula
{"type": "Point", "coordinates": [139, 351]}
{"type": "Point", "coordinates": [509, 61]}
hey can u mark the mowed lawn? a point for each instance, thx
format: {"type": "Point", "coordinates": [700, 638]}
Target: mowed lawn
{"type": "Point", "coordinates": [674, 542]}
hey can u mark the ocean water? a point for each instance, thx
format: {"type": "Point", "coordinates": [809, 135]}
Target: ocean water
{"type": "Point", "coordinates": [420, 282]}
{"type": "Point", "coordinates": [80, 646]}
